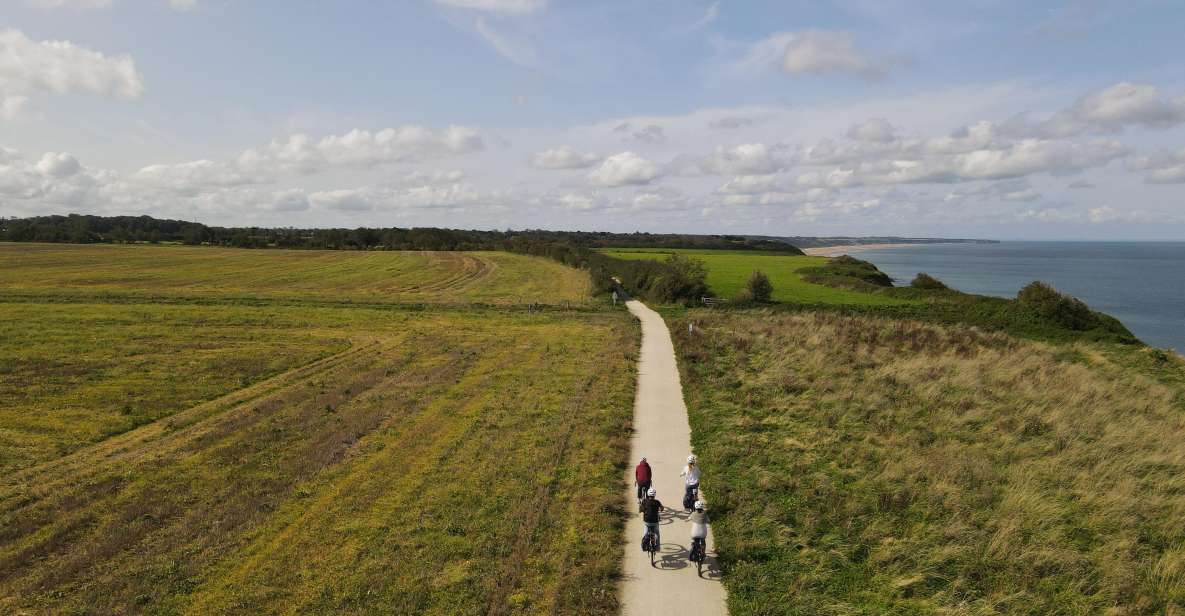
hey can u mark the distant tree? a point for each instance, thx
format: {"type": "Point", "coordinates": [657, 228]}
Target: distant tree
{"type": "Point", "coordinates": [759, 288]}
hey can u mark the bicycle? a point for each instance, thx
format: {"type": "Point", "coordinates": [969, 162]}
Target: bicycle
{"type": "Point", "coordinates": [699, 548]}
{"type": "Point", "coordinates": [650, 544]}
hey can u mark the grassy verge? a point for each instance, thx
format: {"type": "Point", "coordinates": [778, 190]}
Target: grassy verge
{"type": "Point", "coordinates": [878, 466]}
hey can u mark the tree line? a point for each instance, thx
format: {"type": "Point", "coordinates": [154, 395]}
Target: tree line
{"type": "Point", "coordinates": [673, 280]}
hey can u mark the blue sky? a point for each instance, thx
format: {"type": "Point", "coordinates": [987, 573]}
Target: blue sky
{"type": "Point", "coordinates": [986, 119]}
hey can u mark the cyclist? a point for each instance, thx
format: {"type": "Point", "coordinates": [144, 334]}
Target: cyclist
{"type": "Point", "coordinates": [699, 529]}
{"type": "Point", "coordinates": [690, 477]}
{"type": "Point", "coordinates": [651, 508]}
{"type": "Point", "coordinates": [642, 479]}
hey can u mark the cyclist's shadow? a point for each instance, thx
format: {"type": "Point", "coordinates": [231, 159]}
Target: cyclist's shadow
{"type": "Point", "coordinates": [671, 556]}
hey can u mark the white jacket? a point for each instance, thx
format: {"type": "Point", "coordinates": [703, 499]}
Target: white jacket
{"type": "Point", "coordinates": [690, 474]}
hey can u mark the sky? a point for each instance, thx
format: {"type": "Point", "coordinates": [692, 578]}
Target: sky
{"type": "Point", "coordinates": [983, 118]}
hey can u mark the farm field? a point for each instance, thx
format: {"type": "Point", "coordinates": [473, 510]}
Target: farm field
{"type": "Point", "coordinates": [183, 457]}
{"type": "Point", "coordinates": [728, 270]}
{"type": "Point", "coordinates": [206, 273]}
{"type": "Point", "coordinates": [870, 465]}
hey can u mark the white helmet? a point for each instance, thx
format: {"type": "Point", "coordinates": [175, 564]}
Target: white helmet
{"type": "Point", "coordinates": [699, 505]}
{"type": "Point", "coordinates": [651, 492]}
{"type": "Point", "coordinates": [691, 459]}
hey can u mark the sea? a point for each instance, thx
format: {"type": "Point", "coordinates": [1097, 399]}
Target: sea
{"type": "Point", "coordinates": [1140, 283]}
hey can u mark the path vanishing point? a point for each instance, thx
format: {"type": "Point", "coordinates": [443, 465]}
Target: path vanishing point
{"type": "Point", "coordinates": [663, 435]}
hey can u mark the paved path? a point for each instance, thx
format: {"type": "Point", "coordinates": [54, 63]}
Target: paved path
{"type": "Point", "coordinates": [661, 433]}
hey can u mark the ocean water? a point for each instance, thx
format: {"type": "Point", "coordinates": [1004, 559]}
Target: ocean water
{"type": "Point", "coordinates": [1140, 283]}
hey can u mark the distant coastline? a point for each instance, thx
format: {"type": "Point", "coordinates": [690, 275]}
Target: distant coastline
{"type": "Point", "coordinates": [843, 249]}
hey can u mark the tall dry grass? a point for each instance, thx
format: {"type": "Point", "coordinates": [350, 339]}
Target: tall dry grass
{"type": "Point", "coordinates": [874, 466]}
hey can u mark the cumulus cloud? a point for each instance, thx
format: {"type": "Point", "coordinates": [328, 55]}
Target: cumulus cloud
{"type": "Point", "coordinates": [294, 200]}
{"type": "Point", "coordinates": [750, 184]}
{"type": "Point", "coordinates": [876, 129]}
{"type": "Point", "coordinates": [651, 133]}
{"type": "Point", "coordinates": [1164, 168]}
{"type": "Point", "coordinates": [824, 52]}
{"type": "Point", "coordinates": [624, 169]}
{"type": "Point", "coordinates": [1036, 156]}
{"type": "Point", "coordinates": [29, 67]}
{"type": "Point", "coordinates": [505, 7]}
{"type": "Point", "coordinates": [730, 123]}
{"type": "Point", "coordinates": [1109, 110]}
{"type": "Point", "coordinates": [431, 194]}
{"type": "Point", "coordinates": [744, 159]}
{"type": "Point", "coordinates": [301, 153]}
{"type": "Point", "coordinates": [564, 157]}
{"type": "Point", "coordinates": [58, 165]}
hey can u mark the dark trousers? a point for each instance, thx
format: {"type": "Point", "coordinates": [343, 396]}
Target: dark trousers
{"type": "Point", "coordinates": [691, 488]}
{"type": "Point", "coordinates": [642, 487]}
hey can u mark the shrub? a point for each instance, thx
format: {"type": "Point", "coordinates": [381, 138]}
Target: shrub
{"type": "Point", "coordinates": [1070, 312]}
{"type": "Point", "coordinates": [927, 282]}
{"type": "Point", "coordinates": [759, 288]}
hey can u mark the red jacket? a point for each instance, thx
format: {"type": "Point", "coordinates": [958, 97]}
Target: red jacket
{"type": "Point", "coordinates": [642, 473]}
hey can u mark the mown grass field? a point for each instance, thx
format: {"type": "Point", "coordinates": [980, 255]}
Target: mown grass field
{"type": "Point", "coordinates": [728, 270]}
{"type": "Point", "coordinates": [861, 465]}
{"type": "Point", "coordinates": [180, 272]}
{"type": "Point", "coordinates": [199, 455]}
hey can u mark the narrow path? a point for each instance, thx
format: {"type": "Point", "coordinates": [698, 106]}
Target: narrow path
{"type": "Point", "coordinates": [663, 436]}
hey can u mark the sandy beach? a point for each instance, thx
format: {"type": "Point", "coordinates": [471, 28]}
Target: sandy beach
{"type": "Point", "coordinates": [835, 251]}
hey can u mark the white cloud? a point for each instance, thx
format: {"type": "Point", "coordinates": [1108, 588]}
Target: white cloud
{"type": "Point", "coordinates": [825, 52]}
{"type": "Point", "coordinates": [730, 123]}
{"type": "Point", "coordinates": [343, 200]}
{"type": "Point", "coordinates": [182, 5]}
{"type": "Point", "coordinates": [624, 169]}
{"type": "Point", "coordinates": [877, 130]}
{"type": "Point", "coordinates": [744, 159]}
{"type": "Point", "coordinates": [750, 184]}
{"type": "Point", "coordinates": [578, 202]}
{"type": "Point", "coordinates": [58, 165]}
{"type": "Point", "coordinates": [29, 67]}
{"type": "Point", "coordinates": [300, 153]}
{"type": "Point", "coordinates": [294, 200]}
{"type": "Point", "coordinates": [11, 106]}
{"type": "Point", "coordinates": [518, 52]}
{"type": "Point", "coordinates": [1035, 156]}
{"type": "Point", "coordinates": [192, 178]}
{"type": "Point", "coordinates": [1163, 168]}
{"type": "Point", "coordinates": [710, 15]}
{"type": "Point", "coordinates": [1109, 110]}
{"type": "Point", "coordinates": [431, 194]}
{"type": "Point", "coordinates": [563, 157]}
{"type": "Point", "coordinates": [505, 7]}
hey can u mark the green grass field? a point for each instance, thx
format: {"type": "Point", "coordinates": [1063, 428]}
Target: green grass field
{"type": "Point", "coordinates": [182, 272]}
{"type": "Point", "coordinates": [200, 455]}
{"type": "Point", "coordinates": [860, 465]}
{"type": "Point", "coordinates": [728, 270]}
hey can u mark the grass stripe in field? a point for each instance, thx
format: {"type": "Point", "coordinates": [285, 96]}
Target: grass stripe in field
{"type": "Point", "coordinates": [204, 272]}
{"type": "Point", "coordinates": [728, 270]}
